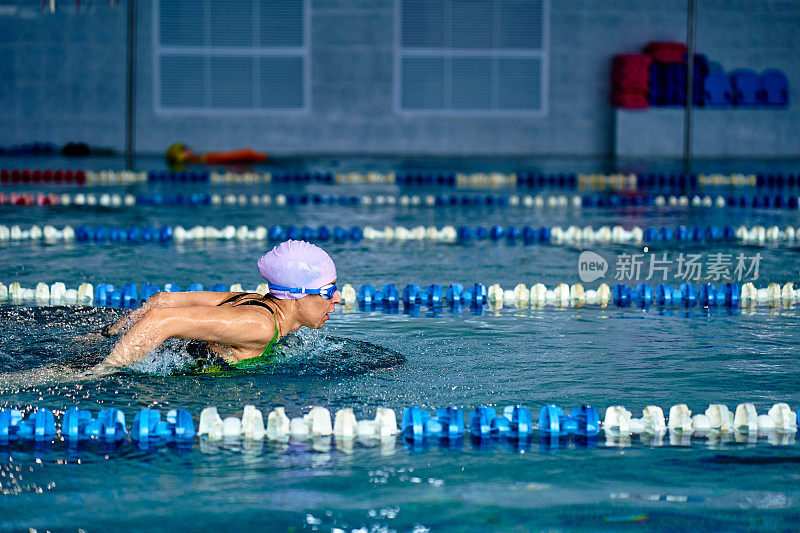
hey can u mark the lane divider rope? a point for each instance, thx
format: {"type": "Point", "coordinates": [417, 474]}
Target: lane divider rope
{"type": "Point", "coordinates": [550, 201]}
{"type": "Point", "coordinates": [447, 179]}
{"type": "Point", "coordinates": [556, 235]}
{"type": "Point", "coordinates": [417, 425]}
{"type": "Point", "coordinates": [538, 295]}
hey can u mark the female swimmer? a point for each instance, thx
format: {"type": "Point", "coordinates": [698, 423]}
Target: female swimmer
{"type": "Point", "coordinates": [240, 329]}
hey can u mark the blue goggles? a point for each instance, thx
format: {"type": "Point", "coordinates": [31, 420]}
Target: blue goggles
{"type": "Point", "coordinates": [326, 292]}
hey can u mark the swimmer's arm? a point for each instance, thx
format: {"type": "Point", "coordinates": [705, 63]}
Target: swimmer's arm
{"type": "Point", "coordinates": [168, 299]}
{"type": "Point", "coordinates": [212, 324]}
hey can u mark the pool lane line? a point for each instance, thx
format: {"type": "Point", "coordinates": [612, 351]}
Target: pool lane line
{"type": "Point", "coordinates": [552, 201]}
{"type": "Point", "coordinates": [417, 425]}
{"type": "Point", "coordinates": [510, 235]}
{"type": "Point", "coordinates": [446, 179]}
{"type": "Point", "coordinates": [456, 295]}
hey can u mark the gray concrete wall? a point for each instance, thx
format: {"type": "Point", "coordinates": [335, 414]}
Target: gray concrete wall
{"type": "Point", "coordinates": [64, 79]}
{"type": "Point", "coordinates": [62, 76]}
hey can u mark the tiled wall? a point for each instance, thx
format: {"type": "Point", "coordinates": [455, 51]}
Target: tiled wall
{"type": "Point", "coordinates": [62, 77]}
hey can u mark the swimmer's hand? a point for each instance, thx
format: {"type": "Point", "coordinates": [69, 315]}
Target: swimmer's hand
{"type": "Point", "coordinates": [89, 337]}
{"type": "Point", "coordinates": [101, 370]}
{"type": "Point", "coordinates": [95, 336]}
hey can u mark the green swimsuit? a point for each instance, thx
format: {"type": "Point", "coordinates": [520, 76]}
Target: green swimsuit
{"type": "Point", "coordinates": [205, 360]}
{"type": "Point", "coordinates": [268, 353]}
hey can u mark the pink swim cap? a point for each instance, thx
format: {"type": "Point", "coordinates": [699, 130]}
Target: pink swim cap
{"type": "Point", "coordinates": [296, 264]}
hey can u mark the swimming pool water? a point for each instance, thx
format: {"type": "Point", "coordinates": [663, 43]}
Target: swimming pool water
{"type": "Point", "coordinates": [569, 357]}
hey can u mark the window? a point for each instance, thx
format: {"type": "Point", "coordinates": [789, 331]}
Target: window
{"type": "Point", "coordinates": [229, 57]}
{"type": "Point", "coordinates": [471, 57]}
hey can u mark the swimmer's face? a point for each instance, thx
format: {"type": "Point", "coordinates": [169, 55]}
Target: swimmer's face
{"type": "Point", "coordinates": [314, 309]}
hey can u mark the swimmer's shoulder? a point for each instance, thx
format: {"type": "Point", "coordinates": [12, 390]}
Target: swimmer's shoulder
{"type": "Point", "coordinates": [258, 320]}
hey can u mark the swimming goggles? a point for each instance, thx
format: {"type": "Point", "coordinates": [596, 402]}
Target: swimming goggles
{"type": "Point", "coordinates": [326, 291]}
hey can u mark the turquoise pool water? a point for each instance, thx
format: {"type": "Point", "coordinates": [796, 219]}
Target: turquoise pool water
{"type": "Point", "coordinates": [602, 356]}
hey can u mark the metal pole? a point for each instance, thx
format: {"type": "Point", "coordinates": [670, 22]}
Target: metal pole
{"type": "Point", "coordinates": [691, 20]}
{"type": "Point", "coordinates": [130, 89]}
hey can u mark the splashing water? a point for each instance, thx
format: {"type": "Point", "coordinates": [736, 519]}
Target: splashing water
{"type": "Point", "coordinates": [312, 353]}
{"type": "Point", "coordinates": [305, 352]}
{"type": "Point", "coordinates": [169, 358]}
{"type": "Point", "coordinates": [50, 345]}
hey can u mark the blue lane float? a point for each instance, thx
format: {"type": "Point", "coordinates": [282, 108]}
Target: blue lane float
{"type": "Point", "coordinates": [449, 179]}
{"type": "Point", "coordinates": [551, 200]}
{"type": "Point", "coordinates": [75, 422]}
{"type": "Point", "coordinates": [418, 426]}
{"type": "Point", "coordinates": [9, 424]}
{"type": "Point", "coordinates": [552, 420]}
{"type": "Point", "coordinates": [582, 421]}
{"type": "Point", "coordinates": [480, 421]}
{"type": "Point", "coordinates": [587, 420]}
{"type": "Point", "coordinates": [147, 425]}
{"type": "Point", "coordinates": [442, 178]}
{"type": "Point", "coordinates": [432, 296]}
{"type": "Point", "coordinates": [521, 420]}
{"type": "Point", "coordinates": [435, 296]}
{"type": "Point", "coordinates": [510, 235]}
{"type": "Point", "coordinates": [451, 422]}
{"type": "Point", "coordinates": [103, 234]}
{"type": "Point", "coordinates": [39, 426]}
{"type": "Point", "coordinates": [183, 176]}
{"type": "Point", "coordinates": [109, 426]}
{"type": "Point", "coordinates": [417, 422]}
{"type": "Point", "coordinates": [642, 295]}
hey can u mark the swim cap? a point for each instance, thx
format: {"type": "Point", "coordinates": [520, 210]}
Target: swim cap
{"type": "Point", "coordinates": [296, 264]}
{"type": "Point", "coordinates": [176, 153]}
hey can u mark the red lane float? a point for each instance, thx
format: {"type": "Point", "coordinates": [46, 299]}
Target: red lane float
{"type": "Point", "coordinates": [27, 176]}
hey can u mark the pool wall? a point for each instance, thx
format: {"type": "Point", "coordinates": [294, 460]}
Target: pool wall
{"type": "Point", "coordinates": [64, 80]}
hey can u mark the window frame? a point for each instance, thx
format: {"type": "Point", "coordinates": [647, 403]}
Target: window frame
{"type": "Point", "coordinates": [255, 53]}
{"type": "Point", "coordinates": [401, 53]}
